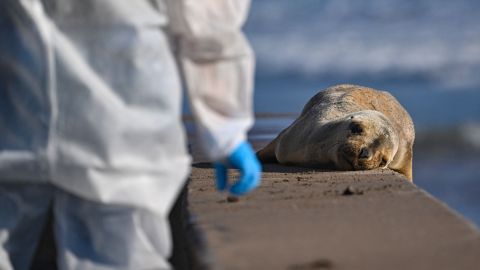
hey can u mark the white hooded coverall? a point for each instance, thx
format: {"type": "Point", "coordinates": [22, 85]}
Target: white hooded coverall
{"type": "Point", "coordinates": [90, 120]}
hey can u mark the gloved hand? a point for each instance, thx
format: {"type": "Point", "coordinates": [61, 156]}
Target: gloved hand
{"type": "Point", "coordinates": [244, 159]}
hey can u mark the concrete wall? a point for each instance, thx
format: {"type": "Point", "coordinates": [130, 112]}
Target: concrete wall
{"type": "Point", "coordinates": [301, 219]}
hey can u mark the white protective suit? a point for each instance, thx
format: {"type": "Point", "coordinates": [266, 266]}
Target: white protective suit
{"type": "Point", "coordinates": [90, 102]}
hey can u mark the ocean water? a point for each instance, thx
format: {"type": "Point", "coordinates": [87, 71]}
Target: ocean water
{"type": "Point", "coordinates": [425, 52]}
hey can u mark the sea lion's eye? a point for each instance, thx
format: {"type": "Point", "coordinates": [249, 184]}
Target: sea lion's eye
{"type": "Point", "coordinates": [356, 128]}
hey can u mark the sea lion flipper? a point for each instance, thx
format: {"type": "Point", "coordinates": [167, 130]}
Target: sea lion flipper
{"type": "Point", "coordinates": [267, 153]}
{"type": "Point", "coordinates": [406, 169]}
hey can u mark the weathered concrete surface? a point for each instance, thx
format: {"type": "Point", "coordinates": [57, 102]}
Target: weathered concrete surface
{"type": "Point", "coordinates": [301, 219]}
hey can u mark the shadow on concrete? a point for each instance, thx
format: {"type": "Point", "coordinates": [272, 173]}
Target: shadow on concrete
{"type": "Point", "coordinates": [274, 167]}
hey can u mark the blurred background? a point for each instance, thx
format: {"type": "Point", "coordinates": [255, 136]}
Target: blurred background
{"type": "Point", "coordinates": [425, 52]}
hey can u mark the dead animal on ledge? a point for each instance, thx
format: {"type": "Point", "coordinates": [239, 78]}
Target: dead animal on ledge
{"type": "Point", "coordinates": [347, 127]}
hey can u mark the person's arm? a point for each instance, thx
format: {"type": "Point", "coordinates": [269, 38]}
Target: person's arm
{"type": "Point", "coordinates": [218, 66]}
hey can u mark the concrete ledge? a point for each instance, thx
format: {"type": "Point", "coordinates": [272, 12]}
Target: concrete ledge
{"type": "Point", "coordinates": [301, 219]}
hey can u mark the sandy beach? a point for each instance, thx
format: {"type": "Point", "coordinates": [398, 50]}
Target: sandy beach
{"type": "Point", "coordinates": [305, 219]}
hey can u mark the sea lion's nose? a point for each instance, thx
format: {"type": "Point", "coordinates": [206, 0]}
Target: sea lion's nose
{"type": "Point", "coordinates": [364, 153]}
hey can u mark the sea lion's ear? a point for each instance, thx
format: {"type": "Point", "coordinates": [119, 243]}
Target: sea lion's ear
{"type": "Point", "coordinates": [355, 128]}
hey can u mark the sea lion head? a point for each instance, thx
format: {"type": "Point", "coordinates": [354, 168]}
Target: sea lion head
{"type": "Point", "coordinates": [368, 141]}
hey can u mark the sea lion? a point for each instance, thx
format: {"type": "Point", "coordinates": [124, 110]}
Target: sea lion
{"type": "Point", "coordinates": [347, 127]}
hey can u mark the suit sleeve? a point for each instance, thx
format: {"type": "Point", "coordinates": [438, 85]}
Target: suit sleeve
{"type": "Point", "coordinates": [218, 66]}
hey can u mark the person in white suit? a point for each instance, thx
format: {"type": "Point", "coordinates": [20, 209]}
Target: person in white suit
{"type": "Point", "coordinates": [90, 122]}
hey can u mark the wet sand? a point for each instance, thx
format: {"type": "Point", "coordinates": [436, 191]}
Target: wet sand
{"type": "Point", "coordinates": [301, 219]}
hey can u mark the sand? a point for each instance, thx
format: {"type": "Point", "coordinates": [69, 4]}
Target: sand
{"type": "Point", "coordinates": [302, 219]}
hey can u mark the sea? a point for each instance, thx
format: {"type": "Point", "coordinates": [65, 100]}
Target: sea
{"type": "Point", "coordinates": [424, 52]}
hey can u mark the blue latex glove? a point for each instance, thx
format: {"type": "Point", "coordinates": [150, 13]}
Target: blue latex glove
{"type": "Point", "coordinates": [244, 159]}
